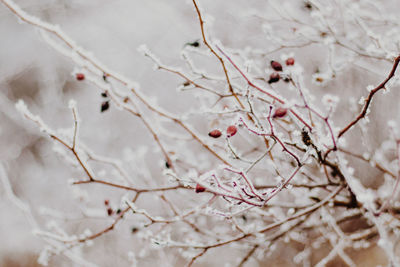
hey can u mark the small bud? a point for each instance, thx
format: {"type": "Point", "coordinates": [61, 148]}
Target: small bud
{"type": "Point", "coordinates": [280, 112]}
{"type": "Point", "coordinates": [80, 76]}
{"type": "Point", "coordinates": [104, 106]}
{"type": "Point", "coordinates": [276, 65]}
{"type": "Point", "coordinates": [290, 61]}
{"type": "Point", "coordinates": [199, 188]}
{"type": "Point", "coordinates": [231, 130]}
{"type": "Point", "coordinates": [106, 202]}
{"type": "Point", "coordinates": [215, 133]}
{"type": "Point", "coordinates": [274, 77]}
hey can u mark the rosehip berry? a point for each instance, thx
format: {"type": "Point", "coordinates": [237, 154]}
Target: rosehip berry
{"type": "Point", "coordinates": [215, 133]}
{"type": "Point", "coordinates": [80, 76]}
{"type": "Point", "coordinates": [199, 188]}
{"type": "Point", "coordinates": [110, 211]}
{"type": "Point", "coordinates": [280, 112]}
{"type": "Point", "coordinates": [290, 61]}
{"type": "Point", "coordinates": [231, 130]}
{"type": "Point", "coordinates": [274, 77]}
{"type": "Point", "coordinates": [276, 65]}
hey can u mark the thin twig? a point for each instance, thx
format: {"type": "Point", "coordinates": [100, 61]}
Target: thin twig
{"type": "Point", "coordinates": [369, 98]}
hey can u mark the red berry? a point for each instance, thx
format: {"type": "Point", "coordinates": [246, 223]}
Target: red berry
{"type": "Point", "coordinates": [290, 61]}
{"type": "Point", "coordinates": [215, 133]}
{"type": "Point", "coordinates": [274, 77]}
{"type": "Point", "coordinates": [80, 76]}
{"type": "Point", "coordinates": [110, 211]}
{"type": "Point", "coordinates": [276, 65]}
{"type": "Point", "coordinates": [231, 130]}
{"type": "Point", "coordinates": [280, 112]}
{"type": "Point", "coordinates": [106, 202]}
{"type": "Point", "coordinates": [199, 188]}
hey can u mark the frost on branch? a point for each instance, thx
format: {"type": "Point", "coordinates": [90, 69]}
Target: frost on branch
{"type": "Point", "coordinates": [262, 147]}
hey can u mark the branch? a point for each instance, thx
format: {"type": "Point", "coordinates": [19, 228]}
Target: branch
{"type": "Point", "coordinates": [369, 98]}
{"type": "Point", "coordinates": [216, 55]}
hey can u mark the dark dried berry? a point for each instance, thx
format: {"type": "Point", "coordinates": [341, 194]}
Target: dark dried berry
{"type": "Point", "coordinates": [104, 94]}
{"type": "Point", "coordinates": [306, 137]}
{"type": "Point", "coordinates": [215, 133]}
{"type": "Point", "coordinates": [231, 130]}
{"type": "Point", "coordinates": [199, 188]}
{"type": "Point", "coordinates": [280, 112]}
{"type": "Point", "coordinates": [110, 211]}
{"type": "Point", "coordinates": [167, 165]}
{"type": "Point", "coordinates": [308, 5]}
{"type": "Point", "coordinates": [276, 65]}
{"type": "Point", "coordinates": [104, 106]}
{"type": "Point", "coordinates": [290, 61]}
{"type": "Point", "coordinates": [106, 202]}
{"type": "Point", "coordinates": [274, 77]}
{"type": "Point", "coordinates": [118, 211]}
{"type": "Point", "coordinates": [334, 173]}
{"type": "Point", "coordinates": [194, 44]}
{"type": "Point", "coordinates": [80, 76]}
{"type": "Point", "coordinates": [134, 230]}
{"type": "Point", "coordinates": [186, 84]}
